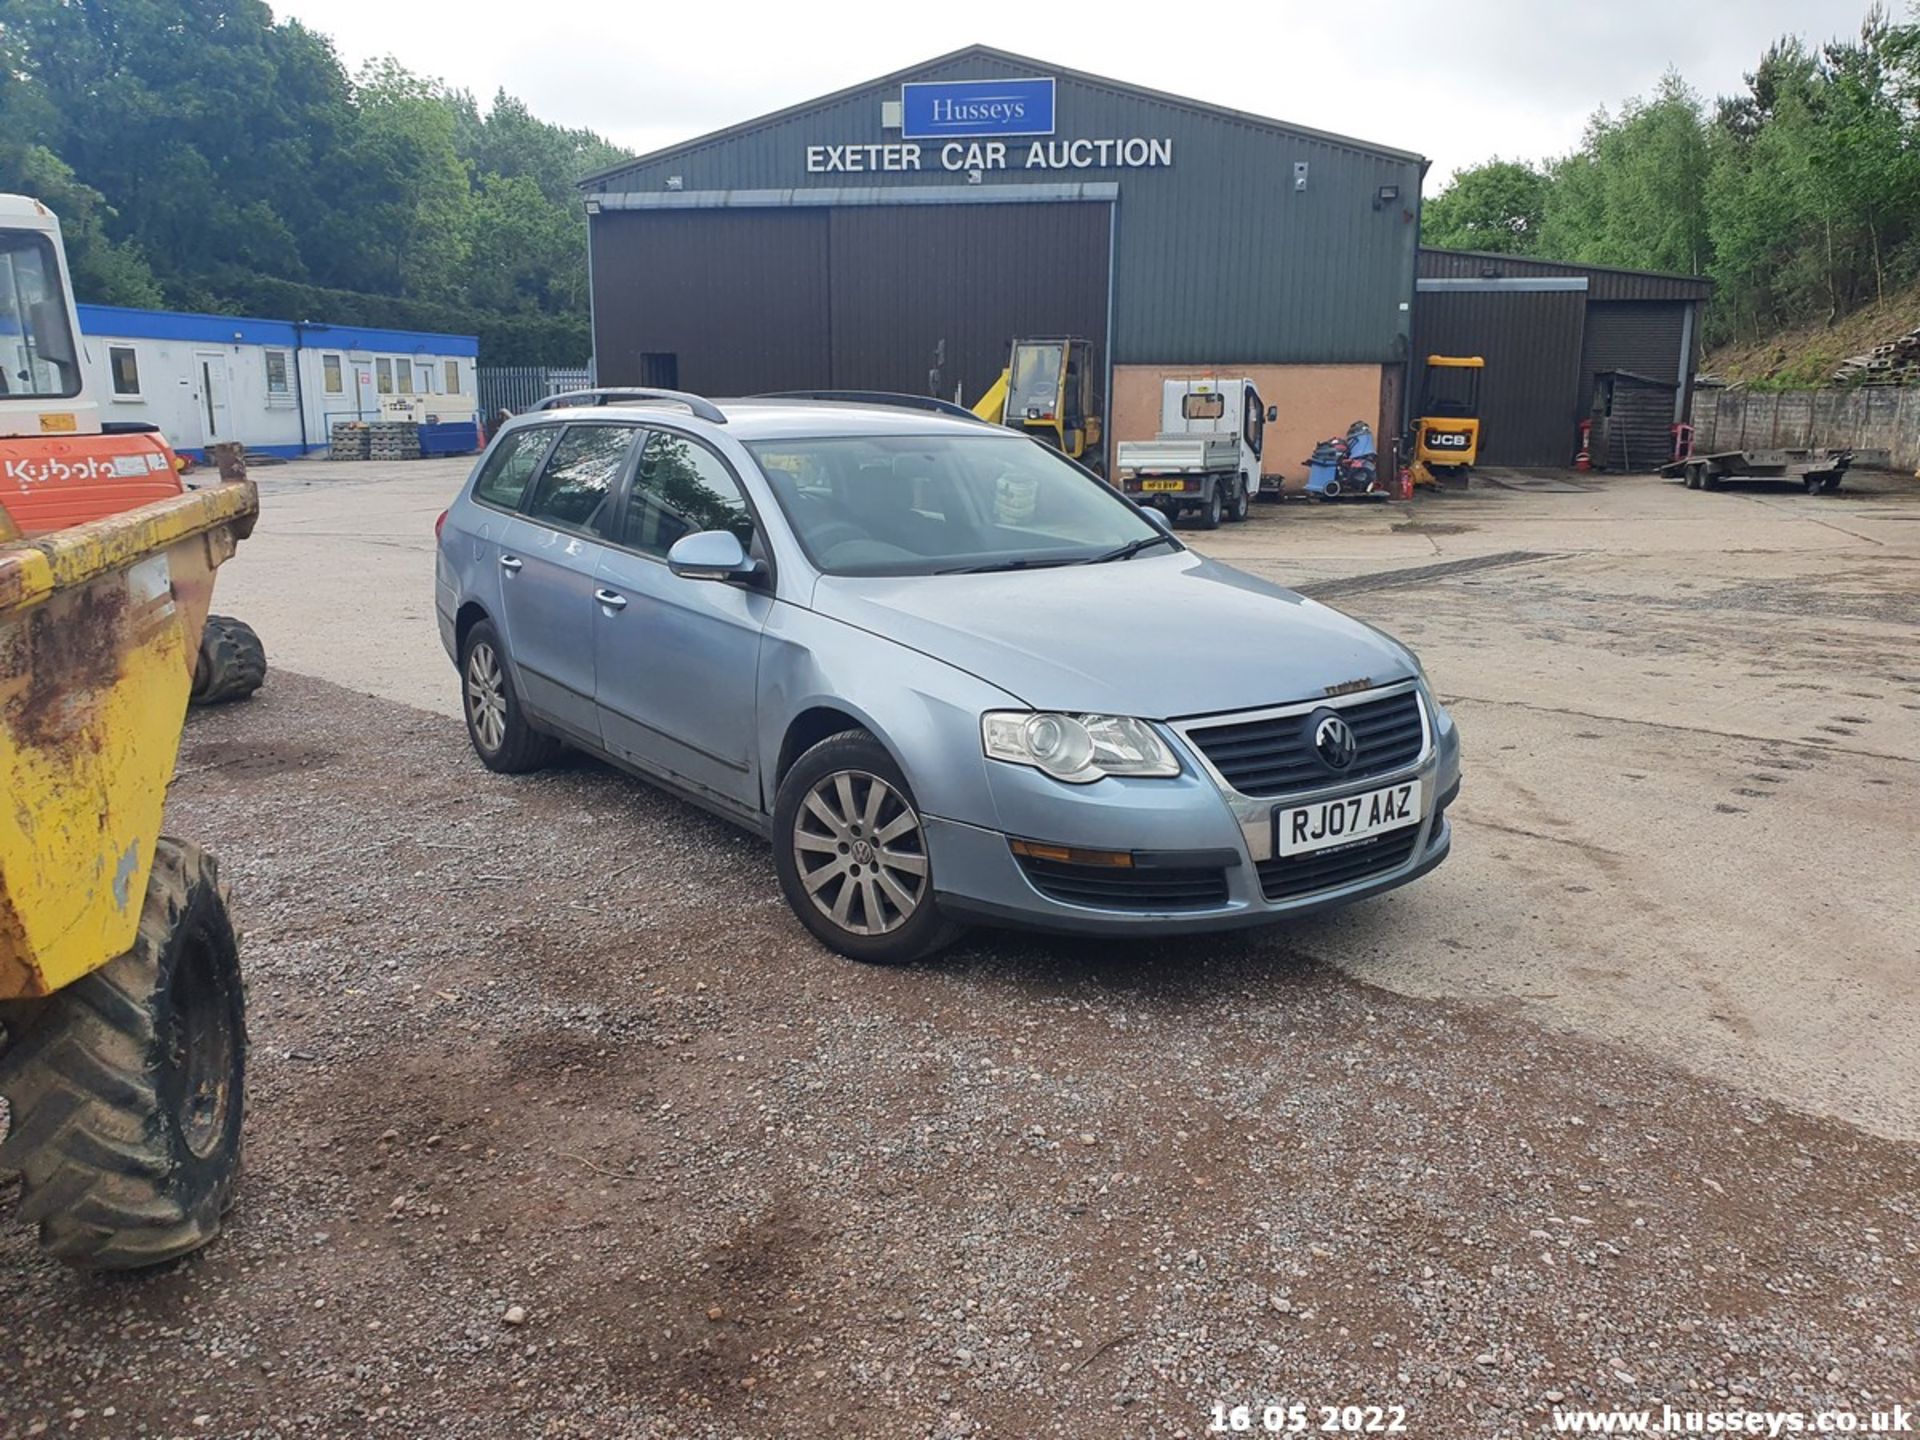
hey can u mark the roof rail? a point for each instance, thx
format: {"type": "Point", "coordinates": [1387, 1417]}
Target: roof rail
{"type": "Point", "coordinates": [699, 405]}
{"type": "Point", "coordinates": [876, 397]}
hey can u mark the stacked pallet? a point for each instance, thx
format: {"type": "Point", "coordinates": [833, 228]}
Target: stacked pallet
{"type": "Point", "coordinates": [348, 441]}
{"type": "Point", "coordinates": [393, 440]}
{"type": "Point", "coordinates": [1895, 363]}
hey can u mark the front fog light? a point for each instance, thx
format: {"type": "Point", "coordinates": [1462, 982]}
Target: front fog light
{"type": "Point", "coordinates": [1078, 749]}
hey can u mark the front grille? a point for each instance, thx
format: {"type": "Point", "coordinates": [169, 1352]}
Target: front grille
{"type": "Point", "coordinates": [1119, 888]}
{"type": "Point", "coordinates": [1275, 756]}
{"type": "Point", "coordinates": [1286, 877]}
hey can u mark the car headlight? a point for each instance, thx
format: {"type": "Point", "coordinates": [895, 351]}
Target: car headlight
{"type": "Point", "coordinates": [1078, 749]}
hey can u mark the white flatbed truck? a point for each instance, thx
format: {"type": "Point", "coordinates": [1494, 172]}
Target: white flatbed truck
{"type": "Point", "coordinates": [1206, 459]}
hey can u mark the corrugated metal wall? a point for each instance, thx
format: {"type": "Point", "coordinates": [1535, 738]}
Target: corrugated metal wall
{"type": "Point", "coordinates": [1219, 259]}
{"type": "Point", "coordinates": [1643, 336]}
{"type": "Point", "coordinates": [854, 298]}
{"type": "Point", "coordinates": [905, 279]}
{"type": "Point", "coordinates": [740, 297]}
{"type": "Point", "coordinates": [1530, 392]}
{"type": "Point", "coordinates": [1603, 282]}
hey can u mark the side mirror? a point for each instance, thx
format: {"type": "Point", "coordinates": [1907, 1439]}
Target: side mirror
{"type": "Point", "coordinates": [1273, 413]}
{"type": "Point", "coordinates": [711, 555]}
{"type": "Point", "coordinates": [1157, 517]}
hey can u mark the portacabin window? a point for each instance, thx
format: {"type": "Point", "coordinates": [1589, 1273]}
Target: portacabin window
{"type": "Point", "coordinates": [383, 375]}
{"type": "Point", "coordinates": [405, 367]}
{"type": "Point", "coordinates": [453, 377]}
{"type": "Point", "coordinates": [279, 377]}
{"type": "Point", "coordinates": [333, 379]}
{"type": "Point", "coordinates": [124, 364]}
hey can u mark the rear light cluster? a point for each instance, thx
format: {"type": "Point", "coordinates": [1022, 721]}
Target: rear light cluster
{"type": "Point", "coordinates": [440, 525]}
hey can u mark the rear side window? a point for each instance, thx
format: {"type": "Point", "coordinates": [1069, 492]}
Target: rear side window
{"type": "Point", "coordinates": [580, 475]}
{"type": "Point", "coordinates": [511, 466]}
{"type": "Point", "coordinates": [1203, 407]}
{"type": "Point", "coordinates": [682, 488]}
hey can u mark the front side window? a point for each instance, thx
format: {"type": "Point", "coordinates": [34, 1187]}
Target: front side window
{"type": "Point", "coordinates": [572, 491]}
{"type": "Point", "coordinates": [1256, 426]}
{"type": "Point", "coordinates": [332, 379]}
{"type": "Point", "coordinates": [383, 375]}
{"type": "Point", "coordinates": [503, 479]}
{"type": "Point", "coordinates": [38, 358]}
{"type": "Point", "coordinates": [931, 504]}
{"type": "Point", "coordinates": [279, 376]}
{"type": "Point", "coordinates": [125, 366]}
{"type": "Point", "coordinates": [680, 489]}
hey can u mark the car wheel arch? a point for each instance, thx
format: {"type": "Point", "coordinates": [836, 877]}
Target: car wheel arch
{"type": "Point", "coordinates": [821, 722]}
{"type": "Point", "coordinates": [469, 614]}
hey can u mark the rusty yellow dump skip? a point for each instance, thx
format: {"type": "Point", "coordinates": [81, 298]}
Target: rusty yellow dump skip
{"type": "Point", "coordinates": [99, 629]}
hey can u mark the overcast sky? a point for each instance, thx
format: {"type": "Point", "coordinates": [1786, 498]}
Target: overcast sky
{"type": "Point", "coordinates": [1456, 80]}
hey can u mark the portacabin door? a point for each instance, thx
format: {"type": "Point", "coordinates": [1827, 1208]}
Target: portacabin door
{"type": "Point", "coordinates": [676, 664]}
{"type": "Point", "coordinates": [550, 557]}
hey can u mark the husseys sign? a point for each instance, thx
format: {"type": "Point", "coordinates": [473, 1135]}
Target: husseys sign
{"type": "Point", "coordinates": [952, 125]}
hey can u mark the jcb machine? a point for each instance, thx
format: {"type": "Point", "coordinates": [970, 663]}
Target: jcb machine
{"type": "Point", "coordinates": [1047, 391]}
{"type": "Point", "coordinates": [1446, 433]}
{"type": "Point", "coordinates": [122, 1021]}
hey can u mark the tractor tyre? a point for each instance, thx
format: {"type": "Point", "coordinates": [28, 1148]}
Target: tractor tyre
{"type": "Point", "coordinates": [232, 662]}
{"type": "Point", "coordinates": [127, 1088]}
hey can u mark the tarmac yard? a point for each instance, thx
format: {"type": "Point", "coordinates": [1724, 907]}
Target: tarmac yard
{"type": "Point", "coordinates": [560, 1125]}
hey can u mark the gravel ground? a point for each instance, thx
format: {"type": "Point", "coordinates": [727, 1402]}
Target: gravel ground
{"type": "Point", "coordinates": [562, 1126]}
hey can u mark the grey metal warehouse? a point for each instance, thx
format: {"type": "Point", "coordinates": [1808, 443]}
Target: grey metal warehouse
{"type": "Point", "coordinates": [897, 234]}
{"type": "Point", "coordinates": [1566, 343]}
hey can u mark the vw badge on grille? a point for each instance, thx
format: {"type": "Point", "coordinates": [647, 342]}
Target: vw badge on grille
{"type": "Point", "coordinates": [1334, 742]}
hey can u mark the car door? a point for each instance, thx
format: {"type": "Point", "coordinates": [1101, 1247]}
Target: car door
{"type": "Point", "coordinates": [469, 566]}
{"type": "Point", "coordinates": [676, 664]}
{"type": "Point", "coordinates": [550, 557]}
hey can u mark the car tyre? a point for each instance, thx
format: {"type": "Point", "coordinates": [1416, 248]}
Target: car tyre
{"type": "Point", "coordinates": [849, 846]}
{"type": "Point", "coordinates": [496, 720]}
{"type": "Point", "coordinates": [1241, 504]}
{"type": "Point", "coordinates": [1211, 510]}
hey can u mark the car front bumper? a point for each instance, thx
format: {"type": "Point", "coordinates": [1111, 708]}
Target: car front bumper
{"type": "Point", "coordinates": [1193, 826]}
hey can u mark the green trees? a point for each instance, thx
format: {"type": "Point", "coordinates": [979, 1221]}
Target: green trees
{"type": "Point", "coordinates": [232, 160]}
{"type": "Point", "coordinates": [1800, 196]}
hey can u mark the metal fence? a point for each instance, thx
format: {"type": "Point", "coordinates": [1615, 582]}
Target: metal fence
{"type": "Point", "coordinates": [520, 387]}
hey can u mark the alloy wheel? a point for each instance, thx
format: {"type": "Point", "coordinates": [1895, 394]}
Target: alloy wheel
{"type": "Point", "coordinates": [861, 853]}
{"type": "Point", "coordinates": [486, 697]}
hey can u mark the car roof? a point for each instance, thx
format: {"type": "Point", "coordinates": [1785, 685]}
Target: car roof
{"type": "Point", "coordinates": [776, 418]}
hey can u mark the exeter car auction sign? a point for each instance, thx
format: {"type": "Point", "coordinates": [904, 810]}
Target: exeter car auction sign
{"type": "Point", "coordinates": [960, 120]}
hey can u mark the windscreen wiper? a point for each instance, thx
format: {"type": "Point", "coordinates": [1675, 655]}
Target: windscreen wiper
{"type": "Point", "coordinates": [992, 565]}
{"type": "Point", "coordinates": [1130, 549]}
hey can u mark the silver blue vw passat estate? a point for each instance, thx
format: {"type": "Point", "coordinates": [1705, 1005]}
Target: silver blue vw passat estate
{"type": "Point", "coordinates": [953, 676]}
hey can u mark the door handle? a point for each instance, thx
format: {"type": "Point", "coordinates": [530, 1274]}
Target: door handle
{"type": "Point", "coordinates": [612, 599]}
{"type": "Point", "coordinates": [511, 563]}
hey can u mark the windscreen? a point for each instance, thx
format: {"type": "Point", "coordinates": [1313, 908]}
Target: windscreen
{"type": "Point", "coordinates": [38, 360]}
{"type": "Point", "coordinates": [927, 505]}
{"type": "Point", "coordinates": [1033, 389]}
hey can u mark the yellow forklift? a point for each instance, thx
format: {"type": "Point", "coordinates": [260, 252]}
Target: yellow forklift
{"type": "Point", "coordinates": [1446, 433]}
{"type": "Point", "coordinates": [1047, 392]}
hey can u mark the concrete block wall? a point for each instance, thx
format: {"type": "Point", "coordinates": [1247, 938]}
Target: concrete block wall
{"type": "Point", "coordinates": [1880, 424]}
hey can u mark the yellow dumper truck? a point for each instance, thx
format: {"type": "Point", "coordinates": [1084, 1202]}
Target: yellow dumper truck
{"type": "Point", "coordinates": [122, 1014]}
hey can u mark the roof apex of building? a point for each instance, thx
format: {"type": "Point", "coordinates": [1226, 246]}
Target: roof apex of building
{"type": "Point", "coordinates": [989, 52]}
